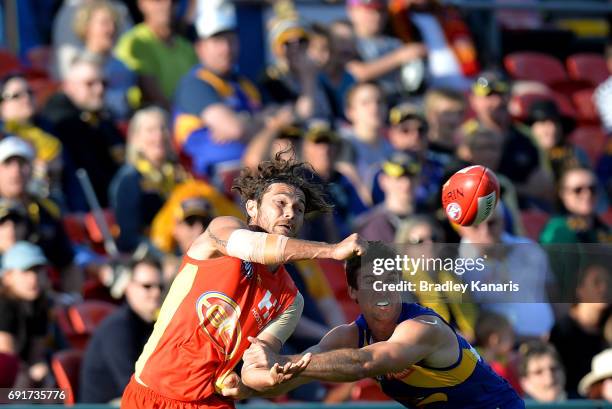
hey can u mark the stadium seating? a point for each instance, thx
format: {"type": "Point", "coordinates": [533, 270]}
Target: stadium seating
{"type": "Point", "coordinates": [533, 66]}
{"type": "Point", "coordinates": [8, 62]}
{"type": "Point", "coordinates": [78, 322]}
{"type": "Point", "coordinates": [334, 271]}
{"type": "Point", "coordinates": [66, 367]}
{"type": "Point", "coordinates": [9, 367]}
{"type": "Point", "coordinates": [587, 66]}
{"type": "Point", "coordinates": [591, 139]}
{"type": "Point", "coordinates": [585, 107]}
{"type": "Point", "coordinates": [534, 221]}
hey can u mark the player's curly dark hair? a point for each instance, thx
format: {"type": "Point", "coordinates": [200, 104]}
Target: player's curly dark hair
{"type": "Point", "coordinates": [355, 264]}
{"type": "Point", "coordinates": [252, 184]}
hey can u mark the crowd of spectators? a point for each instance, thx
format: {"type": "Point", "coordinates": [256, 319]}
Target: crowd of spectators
{"type": "Point", "coordinates": [147, 97]}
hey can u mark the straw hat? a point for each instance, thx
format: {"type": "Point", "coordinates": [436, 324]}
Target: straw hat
{"type": "Point", "coordinates": [601, 368]}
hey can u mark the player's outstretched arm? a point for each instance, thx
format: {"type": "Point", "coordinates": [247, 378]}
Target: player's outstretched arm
{"type": "Point", "coordinates": [230, 236]}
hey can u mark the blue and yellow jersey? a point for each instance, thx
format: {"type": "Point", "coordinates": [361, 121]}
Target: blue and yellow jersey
{"type": "Point", "coordinates": [469, 383]}
{"type": "Point", "coordinates": [197, 90]}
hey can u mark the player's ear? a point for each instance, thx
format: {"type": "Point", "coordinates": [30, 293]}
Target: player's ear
{"type": "Point", "coordinates": [251, 208]}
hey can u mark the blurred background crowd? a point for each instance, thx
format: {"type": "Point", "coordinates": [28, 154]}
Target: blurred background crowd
{"type": "Point", "coordinates": [162, 102]}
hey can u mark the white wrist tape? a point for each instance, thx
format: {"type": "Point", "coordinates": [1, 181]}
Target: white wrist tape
{"type": "Point", "coordinates": [257, 247]}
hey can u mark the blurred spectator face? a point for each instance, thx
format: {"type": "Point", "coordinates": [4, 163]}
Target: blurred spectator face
{"type": "Point", "coordinates": [420, 237]}
{"type": "Point", "coordinates": [595, 286]}
{"type": "Point", "coordinates": [101, 29]}
{"type": "Point", "coordinates": [15, 173]}
{"type": "Point", "coordinates": [319, 49]}
{"type": "Point", "coordinates": [398, 189]}
{"type": "Point", "coordinates": [409, 135]}
{"type": "Point", "coordinates": [24, 284]}
{"type": "Point", "coordinates": [544, 380]}
{"type": "Point", "coordinates": [365, 107]}
{"type": "Point", "coordinates": [17, 101]}
{"type": "Point", "coordinates": [484, 148]}
{"type": "Point", "coordinates": [488, 232]}
{"type": "Point", "coordinates": [187, 230]}
{"type": "Point", "coordinates": [444, 117]}
{"type": "Point", "coordinates": [85, 86]}
{"type": "Point", "coordinates": [13, 228]}
{"type": "Point", "coordinates": [342, 43]}
{"type": "Point", "coordinates": [492, 107]}
{"type": "Point", "coordinates": [547, 133]}
{"type": "Point", "coordinates": [606, 390]}
{"type": "Point", "coordinates": [150, 137]}
{"type": "Point", "coordinates": [144, 291]}
{"type": "Point", "coordinates": [578, 192]}
{"type": "Point", "coordinates": [218, 52]}
{"type": "Point", "coordinates": [293, 52]}
{"type": "Point", "coordinates": [320, 155]}
{"type": "Point", "coordinates": [366, 19]}
{"type": "Point", "coordinates": [156, 12]}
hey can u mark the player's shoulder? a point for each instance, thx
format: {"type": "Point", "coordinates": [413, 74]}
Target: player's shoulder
{"type": "Point", "coordinates": [342, 336]}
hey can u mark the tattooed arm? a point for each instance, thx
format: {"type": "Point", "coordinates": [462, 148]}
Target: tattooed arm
{"type": "Point", "coordinates": [214, 243]}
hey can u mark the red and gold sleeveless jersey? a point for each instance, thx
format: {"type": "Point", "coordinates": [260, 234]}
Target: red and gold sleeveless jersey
{"type": "Point", "coordinates": [202, 328]}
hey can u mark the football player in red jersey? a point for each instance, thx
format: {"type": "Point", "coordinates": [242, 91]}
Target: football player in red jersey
{"type": "Point", "coordinates": [231, 286]}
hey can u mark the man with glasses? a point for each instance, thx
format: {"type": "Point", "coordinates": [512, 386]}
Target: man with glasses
{"type": "Point", "coordinates": [90, 139]}
{"type": "Point", "coordinates": [114, 348]}
{"type": "Point", "coordinates": [541, 372]}
{"type": "Point", "coordinates": [520, 160]}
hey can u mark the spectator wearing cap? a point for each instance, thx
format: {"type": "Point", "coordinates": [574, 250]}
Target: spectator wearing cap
{"type": "Point", "coordinates": [294, 78]}
{"type": "Point", "coordinates": [79, 118]}
{"type": "Point", "coordinates": [520, 160]}
{"type": "Point", "coordinates": [597, 384]}
{"type": "Point", "coordinates": [19, 118]}
{"type": "Point", "coordinates": [577, 220]}
{"type": "Point", "coordinates": [364, 144]}
{"type": "Point", "coordinates": [213, 101]}
{"type": "Point", "coordinates": [451, 53]}
{"type": "Point", "coordinates": [582, 324]}
{"type": "Point", "coordinates": [43, 214]}
{"type": "Point", "coordinates": [550, 129]}
{"type": "Point", "coordinates": [320, 149]}
{"type": "Point", "coordinates": [482, 146]}
{"type": "Point", "coordinates": [114, 348]}
{"type": "Point", "coordinates": [398, 181]}
{"type": "Point", "coordinates": [445, 112]}
{"type": "Point", "coordinates": [144, 182]}
{"type": "Point", "coordinates": [385, 56]}
{"type": "Point", "coordinates": [541, 372]}
{"type": "Point", "coordinates": [96, 24]}
{"type": "Point", "coordinates": [408, 134]}
{"type": "Point", "coordinates": [25, 311]}
{"type": "Point", "coordinates": [14, 224]}
{"type": "Point", "coordinates": [192, 219]}
{"type": "Point", "coordinates": [154, 51]}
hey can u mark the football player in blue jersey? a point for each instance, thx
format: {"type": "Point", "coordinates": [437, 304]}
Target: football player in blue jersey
{"type": "Point", "coordinates": [418, 358]}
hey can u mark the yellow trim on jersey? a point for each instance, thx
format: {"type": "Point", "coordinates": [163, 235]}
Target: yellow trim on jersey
{"type": "Point", "coordinates": [250, 90]}
{"type": "Point", "coordinates": [222, 87]}
{"type": "Point", "coordinates": [438, 378]}
{"type": "Point", "coordinates": [178, 291]}
{"type": "Point", "coordinates": [436, 397]}
{"type": "Point", "coordinates": [184, 125]}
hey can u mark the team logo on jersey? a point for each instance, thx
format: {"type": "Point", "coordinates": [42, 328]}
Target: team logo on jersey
{"type": "Point", "coordinates": [218, 316]}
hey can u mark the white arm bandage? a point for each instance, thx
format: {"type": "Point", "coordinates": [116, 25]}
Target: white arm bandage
{"type": "Point", "coordinates": [257, 247]}
{"type": "Point", "coordinates": [283, 326]}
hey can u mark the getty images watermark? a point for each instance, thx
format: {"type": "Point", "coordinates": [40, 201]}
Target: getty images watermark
{"type": "Point", "coordinates": [413, 266]}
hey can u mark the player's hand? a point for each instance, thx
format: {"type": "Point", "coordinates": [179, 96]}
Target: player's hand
{"type": "Point", "coordinates": [259, 355]}
{"type": "Point", "coordinates": [283, 373]}
{"type": "Point", "coordinates": [353, 245]}
{"type": "Point", "coordinates": [234, 388]}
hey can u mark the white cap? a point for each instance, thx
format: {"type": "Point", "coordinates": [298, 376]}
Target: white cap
{"type": "Point", "coordinates": [14, 146]}
{"type": "Point", "coordinates": [215, 17]}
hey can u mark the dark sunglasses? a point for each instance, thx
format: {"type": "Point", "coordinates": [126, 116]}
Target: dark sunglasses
{"type": "Point", "coordinates": [579, 189]}
{"type": "Point", "coordinates": [17, 95]}
{"type": "Point", "coordinates": [93, 82]}
{"type": "Point", "coordinates": [405, 128]}
{"type": "Point", "coordinates": [149, 286]}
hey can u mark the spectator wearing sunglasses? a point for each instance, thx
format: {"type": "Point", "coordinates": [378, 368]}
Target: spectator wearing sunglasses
{"type": "Point", "coordinates": [112, 352]}
{"type": "Point", "coordinates": [419, 236]}
{"type": "Point", "coordinates": [578, 221]}
{"type": "Point", "coordinates": [408, 134]}
{"type": "Point", "coordinates": [541, 372]}
{"type": "Point", "coordinates": [520, 160]}
{"type": "Point", "coordinates": [79, 118]}
{"type": "Point", "coordinates": [19, 118]}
